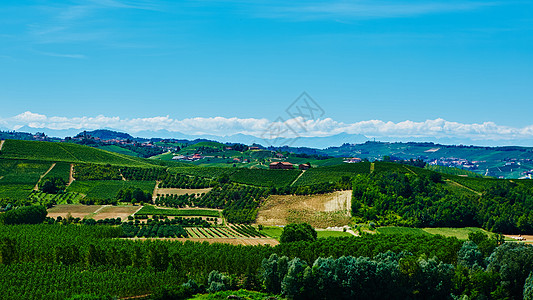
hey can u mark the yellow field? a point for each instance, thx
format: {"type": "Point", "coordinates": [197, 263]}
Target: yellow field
{"type": "Point", "coordinates": [320, 211]}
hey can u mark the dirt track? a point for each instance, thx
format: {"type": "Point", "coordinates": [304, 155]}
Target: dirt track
{"type": "Point", "coordinates": [36, 187]}
{"type": "Point", "coordinates": [71, 175]}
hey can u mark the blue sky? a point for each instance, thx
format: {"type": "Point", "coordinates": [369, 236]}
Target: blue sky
{"type": "Point", "coordinates": [465, 62]}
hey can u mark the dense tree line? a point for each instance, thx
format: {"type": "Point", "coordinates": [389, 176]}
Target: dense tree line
{"type": "Point", "coordinates": [143, 151]}
{"type": "Point", "coordinates": [96, 172]}
{"type": "Point", "coordinates": [52, 185]}
{"type": "Point", "coordinates": [385, 276]}
{"type": "Point", "coordinates": [184, 182]}
{"type": "Point", "coordinates": [177, 200]}
{"type": "Point", "coordinates": [298, 232]}
{"type": "Point", "coordinates": [143, 174]}
{"type": "Point", "coordinates": [33, 214]}
{"type": "Point", "coordinates": [57, 258]}
{"type": "Point", "coordinates": [134, 195]}
{"type": "Point", "coordinates": [424, 201]}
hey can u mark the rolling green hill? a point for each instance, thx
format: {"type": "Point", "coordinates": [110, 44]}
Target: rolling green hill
{"type": "Point", "coordinates": [67, 152]}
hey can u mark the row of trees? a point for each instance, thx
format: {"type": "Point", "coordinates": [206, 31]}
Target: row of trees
{"type": "Point", "coordinates": [134, 195]}
{"type": "Point", "coordinates": [319, 269]}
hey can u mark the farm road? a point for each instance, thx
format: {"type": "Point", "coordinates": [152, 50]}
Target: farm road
{"type": "Point", "coordinates": [2, 144]}
{"type": "Point", "coordinates": [71, 175]}
{"type": "Point", "coordinates": [303, 171]}
{"type": "Point", "coordinates": [36, 187]}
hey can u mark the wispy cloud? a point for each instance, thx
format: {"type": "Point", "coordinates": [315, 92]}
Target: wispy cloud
{"type": "Point", "coordinates": [220, 126]}
{"type": "Point", "coordinates": [65, 55]}
{"type": "Point", "coordinates": [368, 9]}
{"type": "Point", "coordinates": [60, 23]}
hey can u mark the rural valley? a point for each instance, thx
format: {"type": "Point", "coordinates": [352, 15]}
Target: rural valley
{"type": "Point", "coordinates": [168, 229]}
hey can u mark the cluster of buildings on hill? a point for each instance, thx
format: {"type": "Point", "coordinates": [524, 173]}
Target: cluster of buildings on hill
{"type": "Point", "coordinates": [283, 165]}
{"type": "Point", "coordinates": [455, 163]}
{"type": "Point", "coordinates": [194, 157]}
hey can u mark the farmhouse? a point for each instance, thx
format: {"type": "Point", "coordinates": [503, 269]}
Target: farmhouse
{"type": "Point", "coordinates": [281, 165]}
{"type": "Point", "coordinates": [304, 166]}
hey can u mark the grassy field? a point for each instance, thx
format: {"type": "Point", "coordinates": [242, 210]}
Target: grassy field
{"type": "Point", "coordinates": [330, 233]}
{"type": "Point", "coordinates": [275, 232]}
{"type": "Point", "coordinates": [400, 230]}
{"type": "Point", "coordinates": [151, 210]}
{"type": "Point", "coordinates": [241, 294]}
{"type": "Point", "coordinates": [107, 189]}
{"type": "Point", "coordinates": [460, 233]}
{"type": "Point", "coordinates": [272, 231]}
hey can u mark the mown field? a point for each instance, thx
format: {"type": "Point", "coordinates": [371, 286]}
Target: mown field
{"type": "Point", "coordinates": [459, 233]}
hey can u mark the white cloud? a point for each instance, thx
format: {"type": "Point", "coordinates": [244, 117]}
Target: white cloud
{"type": "Point", "coordinates": [220, 126]}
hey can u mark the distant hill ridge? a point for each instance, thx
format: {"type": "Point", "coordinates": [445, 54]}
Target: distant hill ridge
{"type": "Point", "coordinates": [106, 134]}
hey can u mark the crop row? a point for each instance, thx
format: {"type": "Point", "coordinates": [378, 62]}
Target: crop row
{"type": "Point", "coordinates": [233, 231]}
{"type": "Point", "coordinates": [60, 198]}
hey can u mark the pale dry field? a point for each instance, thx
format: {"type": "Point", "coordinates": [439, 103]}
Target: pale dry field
{"type": "Point", "coordinates": [109, 212]}
{"type": "Point", "coordinates": [97, 212]}
{"type": "Point", "coordinates": [320, 211]}
{"type": "Point", "coordinates": [75, 210]}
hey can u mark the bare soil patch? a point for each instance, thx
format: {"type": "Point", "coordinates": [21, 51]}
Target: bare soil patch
{"type": "Point", "coordinates": [121, 212]}
{"type": "Point", "coordinates": [75, 210]}
{"type": "Point", "coordinates": [1, 144]}
{"type": "Point", "coordinates": [71, 175]}
{"type": "Point", "coordinates": [97, 212]}
{"type": "Point", "coordinates": [320, 211]}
